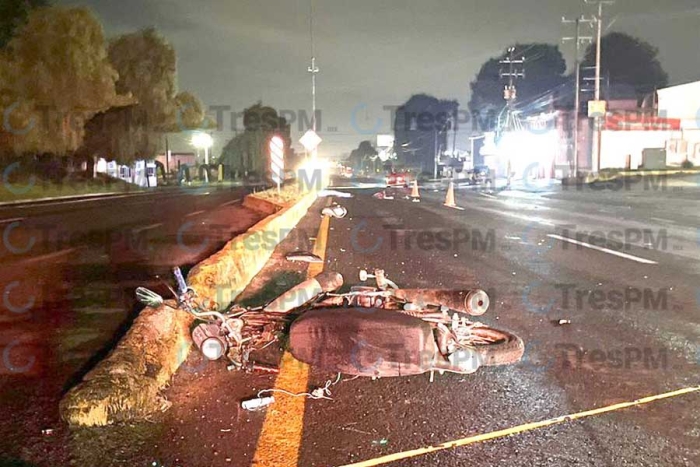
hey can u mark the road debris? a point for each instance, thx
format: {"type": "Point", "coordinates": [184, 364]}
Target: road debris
{"type": "Point", "coordinates": [355, 430]}
{"type": "Point", "coordinates": [258, 403]}
{"type": "Point", "coordinates": [337, 194]}
{"type": "Point", "coordinates": [336, 211]}
{"type": "Point", "coordinates": [562, 322]}
{"type": "Point", "coordinates": [382, 195]}
{"type": "Point", "coordinates": [304, 257]}
{"type": "Point", "coordinates": [380, 442]}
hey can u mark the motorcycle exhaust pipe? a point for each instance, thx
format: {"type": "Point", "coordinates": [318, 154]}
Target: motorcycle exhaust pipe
{"type": "Point", "coordinates": [305, 292]}
{"type": "Point", "coordinates": [474, 302]}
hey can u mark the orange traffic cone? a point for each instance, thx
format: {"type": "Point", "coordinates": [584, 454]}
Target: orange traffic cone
{"type": "Point", "coordinates": [415, 194]}
{"type": "Point", "coordinates": [450, 200]}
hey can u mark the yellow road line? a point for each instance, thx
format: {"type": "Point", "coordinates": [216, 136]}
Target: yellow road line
{"type": "Point", "coordinates": [320, 248]}
{"type": "Point", "coordinates": [519, 429]}
{"type": "Point", "coordinates": [280, 438]}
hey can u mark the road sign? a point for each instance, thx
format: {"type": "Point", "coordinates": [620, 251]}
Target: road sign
{"type": "Point", "coordinates": [310, 140]}
{"type": "Point", "coordinates": [597, 108]}
{"type": "Point", "coordinates": [277, 160]}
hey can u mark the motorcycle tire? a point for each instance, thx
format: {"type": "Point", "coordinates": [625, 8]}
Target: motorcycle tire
{"type": "Point", "coordinates": [506, 349]}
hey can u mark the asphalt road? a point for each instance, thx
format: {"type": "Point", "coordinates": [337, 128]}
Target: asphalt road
{"type": "Point", "coordinates": [621, 264]}
{"type": "Point", "coordinates": [633, 333]}
{"type": "Point", "coordinates": [68, 271]}
{"type": "Point", "coordinates": [629, 288]}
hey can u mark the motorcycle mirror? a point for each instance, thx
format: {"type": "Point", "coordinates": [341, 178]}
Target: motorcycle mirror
{"type": "Point", "coordinates": [181, 283]}
{"type": "Point", "coordinates": [148, 297]}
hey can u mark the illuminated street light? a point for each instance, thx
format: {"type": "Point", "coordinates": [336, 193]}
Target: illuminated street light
{"type": "Point", "coordinates": [204, 141]}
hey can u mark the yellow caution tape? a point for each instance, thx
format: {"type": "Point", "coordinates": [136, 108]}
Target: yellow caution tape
{"type": "Point", "coordinates": [519, 429]}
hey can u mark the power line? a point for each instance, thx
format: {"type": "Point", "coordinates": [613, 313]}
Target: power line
{"type": "Point", "coordinates": [516, 70]}
{"type": "Point", "coordinates": [577, 109]}
{"type": "Point", "coordinates": [599, 21]}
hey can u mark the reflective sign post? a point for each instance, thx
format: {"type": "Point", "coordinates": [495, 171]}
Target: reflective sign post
{"type": "Point", "coordinates": [277, 161]}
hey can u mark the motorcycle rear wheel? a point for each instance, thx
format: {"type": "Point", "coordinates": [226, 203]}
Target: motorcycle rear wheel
{"type": "Point", "coordinates": [505, 348]}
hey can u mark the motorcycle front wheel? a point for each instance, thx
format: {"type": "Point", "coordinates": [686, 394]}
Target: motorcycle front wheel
{"type": "Point", "coordinates": [503, 347]}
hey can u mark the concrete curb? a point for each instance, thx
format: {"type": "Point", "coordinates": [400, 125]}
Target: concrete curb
{"type": "Point", "coordinates": [53, 199]}
{"type": "Point", "coordinates": [126, 385]}
{"type": "Point", "coordinates": [224, 275]}
{"type": "Point", "coordinates": [590, 178]}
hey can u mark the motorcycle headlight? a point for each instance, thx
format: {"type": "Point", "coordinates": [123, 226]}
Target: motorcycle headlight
{"type": "Point", "coordinates": [213, 348]}
{"type": "Point", "coordinates": [477, 302]}
{"type": "Point", "coordinates": [467, 360]}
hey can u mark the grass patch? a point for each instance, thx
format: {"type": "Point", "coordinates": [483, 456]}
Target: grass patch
{"type": "Point", "coordinates": [27, 188]}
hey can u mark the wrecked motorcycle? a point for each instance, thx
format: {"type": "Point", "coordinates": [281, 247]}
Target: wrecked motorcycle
{"type": "Point", "coordinates": [378, 331]}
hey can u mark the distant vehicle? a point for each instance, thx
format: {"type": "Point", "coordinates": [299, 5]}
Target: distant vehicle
{"type": "Point", "coordinates": [479, 175]}
{"type": "Point", "coordinates": [398, 179]}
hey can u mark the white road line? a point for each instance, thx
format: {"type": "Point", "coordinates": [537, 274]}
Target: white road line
{"type": "Point", "coordinates": [196, 213]}
{"type": "Point", "coordinates": [604, 250]}
{"type": "Point", "coordinates": [665, 221]}
{"type": "Point", "coordinates": [232, 202]}
{"type": "Point", "coordinates": [50, 256]}
{"type": "Point", "coordinates": [487, 195]}
{"type": "Point", "coordinates": [148, 227]}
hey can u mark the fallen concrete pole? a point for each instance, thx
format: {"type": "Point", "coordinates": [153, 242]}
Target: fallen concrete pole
{"type": "Point", "coordinates": [126, 385]}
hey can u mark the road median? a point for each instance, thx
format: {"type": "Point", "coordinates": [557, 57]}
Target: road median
{"type": "Point", "coordinates": [126, 385]}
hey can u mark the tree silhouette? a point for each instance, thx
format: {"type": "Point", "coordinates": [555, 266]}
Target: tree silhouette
{"type": "Point", "coordinates": [13, 14]}
{"type": "Point", "coordinates": [361, 157]}
{"type": "Point", "coordinates": [544, 68]}
{"type": "Point", "coordinates": [420, 127]}
{"type": "Point", "coordinates": [628, 62]}
{"type": "Point", "coordinates": [248, 151]}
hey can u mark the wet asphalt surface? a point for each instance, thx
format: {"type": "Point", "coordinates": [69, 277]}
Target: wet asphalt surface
{"type": "Point", "coordinates": [634, 331]}
{"type": "Point", "coordinates": [68, 273]}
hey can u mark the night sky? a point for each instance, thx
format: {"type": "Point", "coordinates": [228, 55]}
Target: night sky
{"type": "Point", "coordinates": [373, 53]}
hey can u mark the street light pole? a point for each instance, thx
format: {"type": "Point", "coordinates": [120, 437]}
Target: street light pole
{"type": "Point", "coordinates": [204, 141]}
{"type": "Point", "coordinates": [314, 70]}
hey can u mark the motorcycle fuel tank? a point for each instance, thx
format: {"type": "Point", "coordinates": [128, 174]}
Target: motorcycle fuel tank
{"type": "Point", "coordinates": [364, 342]}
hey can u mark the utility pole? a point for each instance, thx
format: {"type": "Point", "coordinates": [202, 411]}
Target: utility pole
{"type": "Point", "coordinates": [599, 21]}
{"type": "Point", "coordinates": [437, 155]}
{"type": "Point", "coordinates": [578, 39]}
{"type": "Point", "coordinates": [510, 93]}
